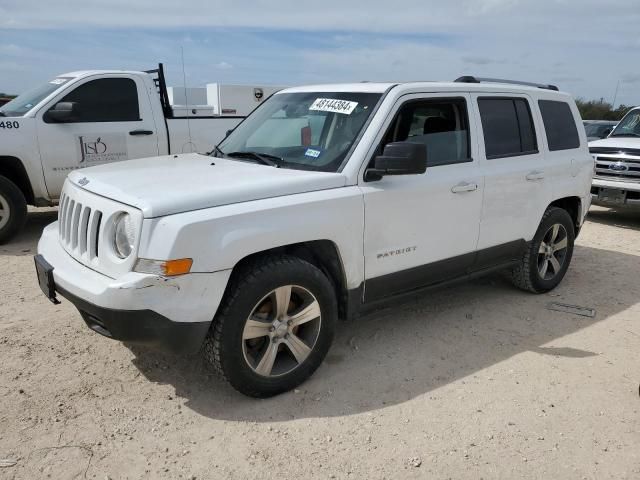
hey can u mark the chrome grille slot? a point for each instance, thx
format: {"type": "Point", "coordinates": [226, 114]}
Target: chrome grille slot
{"type": "Point", "coordinates": [84, 224]}
{"type": "Point", "coordinates": [93, 231]}
{"type": "Point", "coordinates": [63, 202]}
{"type": "Point", "coordinates": [75, 225]}
{"type": "Point", "coordinates": [67, 221]}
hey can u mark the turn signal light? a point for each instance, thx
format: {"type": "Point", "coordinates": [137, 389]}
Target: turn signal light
{"type": "Point", "coordinates": [167, 268]}
{"type": "Point", "coordinates": [177, 267]}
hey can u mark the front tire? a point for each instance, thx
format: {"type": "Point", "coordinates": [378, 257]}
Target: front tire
{"type": "Point", "coordinates": [547, 258]}
{"type": "Point", "coordinates": [274, 326]}
{"type": "Point", "coordinates": [13, 209]}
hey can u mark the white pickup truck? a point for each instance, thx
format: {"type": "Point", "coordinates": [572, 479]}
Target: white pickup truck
{"type": "Point", "coordinates": [87, 118]}
{"type": "Point", "coordinates": [616, 182]}
{"type": "Point", "coordinates": [325, 201]}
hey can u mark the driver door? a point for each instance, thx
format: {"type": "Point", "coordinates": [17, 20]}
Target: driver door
{"type": "Point", "coordinates": [113, 122]}
{"type": "Point", "coordinates": [423, 229]}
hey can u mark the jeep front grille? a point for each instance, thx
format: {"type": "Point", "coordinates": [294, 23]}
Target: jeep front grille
{"type": "Point", "coordinates": [79, 228]}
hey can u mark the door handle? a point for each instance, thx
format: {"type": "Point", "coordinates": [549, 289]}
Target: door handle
{"type": "Point", "coordinates": [534, 176]}
{"type": "Point", "coordinates": [464, 187]}
{"type": "Point", "coordinates": [141, 132]}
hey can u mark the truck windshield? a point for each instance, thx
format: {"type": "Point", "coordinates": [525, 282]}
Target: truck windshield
{"type": "Point", "coordinates": [306, 131]}
{"type": "Point", "coordinates": [629, 126]}
{"type": "Point", "coordinates": [20, 105]}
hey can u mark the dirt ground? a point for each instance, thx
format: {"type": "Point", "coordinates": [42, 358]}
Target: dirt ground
{"type": "Point", "coordinates": [479, 381]}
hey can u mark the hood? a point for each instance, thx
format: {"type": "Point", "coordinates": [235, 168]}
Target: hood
{"type": "Point", "coordinates": [179, 183]}
{"type": "Point", "coordinates": [617, 142]}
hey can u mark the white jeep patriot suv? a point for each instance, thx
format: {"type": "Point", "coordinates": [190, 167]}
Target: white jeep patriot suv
{"type": "Point", "coordinates": [325, 201]}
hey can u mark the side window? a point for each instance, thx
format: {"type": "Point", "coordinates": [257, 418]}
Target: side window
{"type": "Point", "coordinates": [442, 125]}
{"type": "Point", "coordinates": [559, 124]}
{"type": "Point", "coordinates": [106, 100]}
{"type": "Point", "coordinates": [507, 127]}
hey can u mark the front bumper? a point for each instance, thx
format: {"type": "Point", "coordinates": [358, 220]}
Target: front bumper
{"type": "Point", "coordinates": [171, 313]}
{"type": "Point", "coordinates": [631, 189]}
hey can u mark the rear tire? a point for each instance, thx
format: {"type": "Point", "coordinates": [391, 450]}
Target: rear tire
{"type": "Point", "coordinates": [547, 258]}
{"type": "Point", "coordinates": [274, 326]}
{"type": "Point", "coordinates": [13, 209]}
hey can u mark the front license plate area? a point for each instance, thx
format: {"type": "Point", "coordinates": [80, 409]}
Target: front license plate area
{"type": "Point", "coordinates": [44, 272]}
{"type": "Point", "coordinates": [612, 195]}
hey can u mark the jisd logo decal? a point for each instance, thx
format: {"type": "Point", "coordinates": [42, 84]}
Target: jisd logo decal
{"type": "Point", "coordinates": [102, 148]}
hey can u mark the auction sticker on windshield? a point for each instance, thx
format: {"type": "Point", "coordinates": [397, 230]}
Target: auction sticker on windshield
{"type": "Point", "coordinates": [333, 105]}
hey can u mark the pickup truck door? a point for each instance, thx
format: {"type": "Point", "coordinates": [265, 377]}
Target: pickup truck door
{"type": "Point", "coordinates": [423, 229]}
{"type": "Point", "coordinates": [112, 121]}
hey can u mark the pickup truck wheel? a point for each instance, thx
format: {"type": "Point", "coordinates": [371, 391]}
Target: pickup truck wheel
{"type": "Point", "coordinates": [13, 209]}
{"type": "Point", "coordinates": [547, 257]}
{"type": "Point", "coordinates": [274, 327]}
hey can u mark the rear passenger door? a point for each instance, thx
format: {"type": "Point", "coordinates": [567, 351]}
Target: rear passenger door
{"type": "Point", "coordinates": [517, 175]}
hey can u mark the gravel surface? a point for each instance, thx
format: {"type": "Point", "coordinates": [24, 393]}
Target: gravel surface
{"type": "Point", "coordinates": [477, 381]}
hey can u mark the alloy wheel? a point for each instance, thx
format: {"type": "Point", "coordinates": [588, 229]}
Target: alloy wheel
{"type": "Point", "coordinates": [552, 252]}
{"type": "Point", "coordinates": [281, 331]}
{"type": "Point", "coordinates": [5, 211]}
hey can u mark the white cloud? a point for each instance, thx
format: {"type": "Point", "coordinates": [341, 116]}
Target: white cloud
{"type": "Point", "coordinates": [409, 16]}
{"type": "Point", "coordinates": [585, 46]}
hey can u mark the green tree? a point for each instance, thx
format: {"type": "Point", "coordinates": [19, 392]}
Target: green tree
{"type": "Point", "coordinates": [600, 110]}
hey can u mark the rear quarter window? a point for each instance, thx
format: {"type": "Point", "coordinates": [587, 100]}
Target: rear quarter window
{"type": "Point", "coordinates": [559, 125]}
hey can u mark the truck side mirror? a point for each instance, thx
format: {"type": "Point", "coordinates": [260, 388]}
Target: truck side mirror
{"type": "Point", "coordinates": [61, 112]}
{"type": "Point", "coordinates": [399, 158]}
{"type": "Point", "coordinates": [606, 133]}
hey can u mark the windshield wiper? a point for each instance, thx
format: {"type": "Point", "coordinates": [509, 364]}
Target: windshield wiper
{"type": "Point", "coordinates": [216, 152]}
{"type": "Point", "coordinates": [264, 158]}
{"type": "Point", "coordinates": [624, 135]}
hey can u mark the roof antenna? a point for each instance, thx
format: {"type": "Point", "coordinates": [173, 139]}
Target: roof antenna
{"type": "Point", "coordinates": [186, 99]}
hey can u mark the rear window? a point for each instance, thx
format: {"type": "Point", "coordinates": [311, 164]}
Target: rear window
{"type": "Point", "coordinates": [507, 127]}
{"type": "Point", "coordinates": [559, 124]}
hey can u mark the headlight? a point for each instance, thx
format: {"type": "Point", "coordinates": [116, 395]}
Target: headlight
{"type": "Point", "coordinates": [124, 236]}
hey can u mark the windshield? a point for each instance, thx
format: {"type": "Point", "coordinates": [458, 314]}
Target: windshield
{"type": "Point", "coordinates": [599, 130]}
{"type": "Point", "coordinates": [629, 126]}
{"type": "Point", "coordinates": [20, 105]}
{"type": "Point", "coordinates": [307, 131]}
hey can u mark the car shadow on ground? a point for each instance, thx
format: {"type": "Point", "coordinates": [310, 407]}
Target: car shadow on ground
{"type": "Point", "coordinates": [412, 348]}
{"type": "Point", "coordinates": [621, 218]}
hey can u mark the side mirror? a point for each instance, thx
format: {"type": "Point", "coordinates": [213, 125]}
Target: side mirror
{"type": "Point", "coordinates": [228, 133]}
{"type": "Point", "coordinates": [61, 112]}
{"type": "Point", "coordinates": [606, 133]}
{"type": "Point", "coordinates": [399, 158]}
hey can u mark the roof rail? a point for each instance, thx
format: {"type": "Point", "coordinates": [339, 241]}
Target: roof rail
{"type": "Point", "coordinates": [472, 79]}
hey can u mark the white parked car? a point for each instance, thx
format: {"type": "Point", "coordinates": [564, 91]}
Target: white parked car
{"type": "Point", "coordinates": [87, 118]}
{"type": "Point", "coordinates": [326, 201]}
{"type": "Point", "coordinates": [616, 182]}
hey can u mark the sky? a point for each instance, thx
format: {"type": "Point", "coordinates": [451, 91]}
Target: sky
{"type": "Point", "coordinates": [586, 47]}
